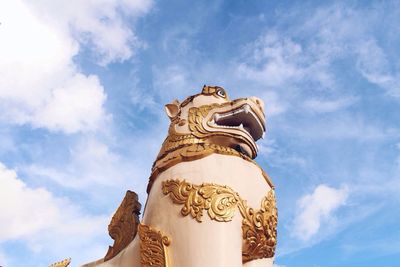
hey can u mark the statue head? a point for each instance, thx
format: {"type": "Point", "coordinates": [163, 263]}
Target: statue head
{"type": "Point", "coordinates": [213, 118]}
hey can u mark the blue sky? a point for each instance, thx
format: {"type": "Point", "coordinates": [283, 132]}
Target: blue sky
{"type": "Point", "coordinates": [82, 89]}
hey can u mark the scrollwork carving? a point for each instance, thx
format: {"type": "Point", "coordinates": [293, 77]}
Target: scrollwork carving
{"type": "Point", "coordinates": [259, 230]}
{"type": "Point", "coordinates": [153, 247]}
{"type": "Point", "coordinates": [194, 151]}
{"type": "Point", "coordinates": [220, 202]}
{"type": "Point", "coordinates": [124, 223]}
{"type": "Point", "coordinates": [63, 263]}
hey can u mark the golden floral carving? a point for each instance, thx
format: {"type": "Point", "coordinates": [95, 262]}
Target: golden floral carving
{"type": "Point", "coordinates": [220, 202]}
{"type": "Point", "coordinates": [124, 223]}
{"type": "Point", "coordinates": [176, 141]}
{"type": "Point", "coordinates": [153, 247]}
{"type": "Point", "coordinates": [196, 117]}
{"type": "Point", "coordinates": [63, 263]}
{"type": "Point", "coordinates": [259, 230]}
{"type": "Point", "coordinates": [194, 151]}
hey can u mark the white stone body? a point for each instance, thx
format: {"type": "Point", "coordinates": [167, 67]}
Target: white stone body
{"type": "Point", "coordinates": [209, 243]}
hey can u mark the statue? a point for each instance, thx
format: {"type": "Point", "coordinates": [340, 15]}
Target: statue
{"type": "Point", "coordinates": [209, 203]}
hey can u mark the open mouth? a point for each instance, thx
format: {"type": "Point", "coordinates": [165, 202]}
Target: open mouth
{"type": "Point", "coordinates": [243, 119]}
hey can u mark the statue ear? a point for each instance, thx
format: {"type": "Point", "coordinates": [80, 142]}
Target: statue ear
{"type": "Point", "coordinates": [172, 109]}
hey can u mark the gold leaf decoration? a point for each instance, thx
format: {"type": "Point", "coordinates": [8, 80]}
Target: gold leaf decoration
{"type": "Point", "coordinates": [124, 223]}
{"type": "Point", "coordinates": [220, 202]}
{"type": "Point", "coordinates": [153, 247]}
{"type": "Point", "coordinates": [259, 230]}
{"type": "Point", "coordinates": [193, 150]}
{"type": "Point", "coordinates": [63, 263]}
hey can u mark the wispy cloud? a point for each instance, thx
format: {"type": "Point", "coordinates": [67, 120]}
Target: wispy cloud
{"type": "Point", "coordinates": [324, 106]}
{"type": "Point", "coordinates": [317, 208]}
{"type": "Point", "coordinates": [374, 65]}
{"type": "Point", "coordinates": [93, 164]}
{"type": "Point", "coordinates": [272, 60]}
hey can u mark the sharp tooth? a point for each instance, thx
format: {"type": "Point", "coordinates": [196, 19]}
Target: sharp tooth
{"type": "Point", "coordinates": [216, 117]}
{"type": "Point", "coordinates": [241, 126]}
{"type": "Point", "coordinates": [263, 136]}
{"type": "Point", "coordinates": [246, 108]}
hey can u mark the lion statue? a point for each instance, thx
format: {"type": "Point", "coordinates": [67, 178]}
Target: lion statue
{"type": "Point", "coordinates": [209, 203]}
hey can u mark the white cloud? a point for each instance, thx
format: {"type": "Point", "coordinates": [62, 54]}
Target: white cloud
{"type": "Point", "coordinates": [317, 208]}
{"type": "Point", "coordinates": [45, 223]}
{"type": "Point", "coordinates": [300, 61]}
{"type": "Point", "coordinates": [40, 83]}
{"type": "Point", "coordinates": [274, 104]}
{"type": "Point", "coordinates": [98, 23]}
{"type": "Point", "coordinates": [22, 204]}
{"type": "Point", "coordinates": [390, 245]}
{"type": "Point", "coordinates": [324, 106]}
{"type": "Point", "coordinates": [91, 164]}
{"type": "Point", "coordinates": [373, 64]}
{"type": "Point", "coordinates": [3, 259]}
{"type": "Point", "coordinates": [95, 168]}
{"type": "Point", "coordinates": [174, 77]}
{"type": "Point", "coordinates": [76, 105]}
{"type": "Point", "coordinates": [342, 31]}
{"type": "Point", "coordinates": [175, 81]}
{"type": "Point", "coordinates": [272, 60]}
{"type": "Point", "coordinates": [143, 100]}
{"type": "Point", "coordinates": [342, 127]}
{"type": "Point", "coordinates": [398, 159]}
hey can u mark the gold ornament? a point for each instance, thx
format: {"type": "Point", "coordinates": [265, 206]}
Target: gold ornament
{"type": "Point", "coordinates": [63, 263]}
{"type": "Point", "coordinates": [193, 151]}
{"type": "Point", "coordinates": [124, 223]}
{"type": "Point", "coordinates": [220, 202]}
{"type": "Point", "coordinates": [153, 247]}
{"type": "Point", "coordinates": [259, 229]}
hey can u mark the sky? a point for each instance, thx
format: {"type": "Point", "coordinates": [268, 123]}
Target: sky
{"type": "Point", "coordinates": [82, 89]}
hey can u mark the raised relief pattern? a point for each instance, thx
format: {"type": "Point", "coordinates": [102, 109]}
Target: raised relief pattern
{"type": "Point", "coordinates": [63, 263]}
{"type": "Point", "coordinates": [124, 223]}
{"type": "Point", "coordinates": [259, 229]}
{"type": "Point", "coordinates": [153, 247]}
{"type": "Point", "coordinates": [191, 152]}
{"type": "Point", "coordinates": [220, 202]}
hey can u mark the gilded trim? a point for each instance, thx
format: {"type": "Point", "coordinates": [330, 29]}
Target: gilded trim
{"type": "Point", "coordinates": [63, 263]}
{"type": "Point", "coordinates": [153, 247]}
{"type": "Point", "coordinates": [196, 119]}
{"type": "Point", "coordinates": [259, 229]}
{"type": "Point", "coordinates": [220, 202]}
{"type": "Point", "coordinates": [190, 152]}
{"type": "Point", "coordinates": [124, 223]}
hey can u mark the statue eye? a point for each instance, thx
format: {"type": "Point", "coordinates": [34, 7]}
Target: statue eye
{"type": "Point", "coordinates": [221, 92]}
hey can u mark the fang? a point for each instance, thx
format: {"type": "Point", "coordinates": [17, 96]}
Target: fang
{"type": "Point", "coordinates": [246, 108]}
